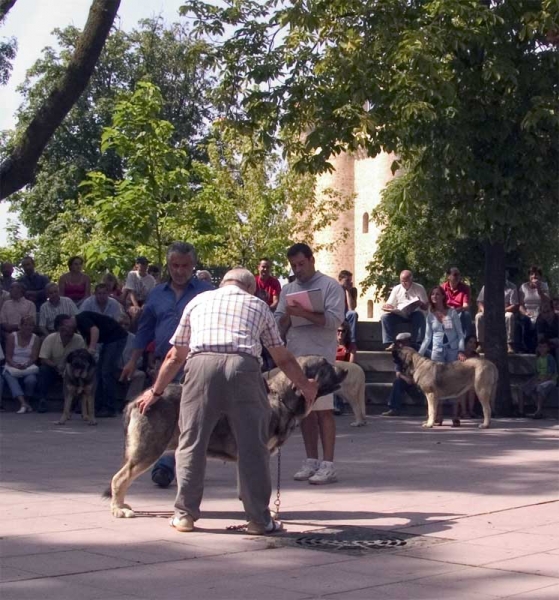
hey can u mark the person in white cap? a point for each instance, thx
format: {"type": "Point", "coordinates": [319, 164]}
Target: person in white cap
{"type": "Point", "coordinates": [402, 383]}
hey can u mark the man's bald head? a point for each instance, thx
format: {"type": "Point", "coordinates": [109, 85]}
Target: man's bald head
{"type": "Point", "coordinates": [406, 279]}
{"type": "Point", "coordinates": [240, 277]}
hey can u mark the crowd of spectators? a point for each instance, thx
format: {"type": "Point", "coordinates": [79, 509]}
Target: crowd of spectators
{"type": "Point", "coordinates": [41, 322]}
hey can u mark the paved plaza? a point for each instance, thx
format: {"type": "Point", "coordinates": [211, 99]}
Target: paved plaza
{"type": "Point", "coordinates": [447, 513]}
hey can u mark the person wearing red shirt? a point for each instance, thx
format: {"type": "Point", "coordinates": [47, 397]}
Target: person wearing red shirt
{"type": "Point", "coordinates": [458, 297]}
{"type": "Point", "coordinates": [268, 288]}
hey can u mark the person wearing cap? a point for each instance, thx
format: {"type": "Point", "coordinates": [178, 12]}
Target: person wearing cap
{"type": "Point", "coordinates": [139, 284]}
{"type": "Point", "coordinates": [402, 383]}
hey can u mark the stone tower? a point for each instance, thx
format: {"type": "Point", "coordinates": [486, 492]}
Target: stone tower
{"type": "Point", "coordinates": [363, 178]}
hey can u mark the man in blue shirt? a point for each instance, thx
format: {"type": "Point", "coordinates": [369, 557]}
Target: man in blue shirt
{"type": "Point", "coordinates": [160, 318]}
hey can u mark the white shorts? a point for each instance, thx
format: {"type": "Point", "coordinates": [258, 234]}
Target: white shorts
{"type": "Point", "coordinates": [324, 403]}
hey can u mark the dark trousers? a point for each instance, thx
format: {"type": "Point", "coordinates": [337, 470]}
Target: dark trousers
{"type": "Point", "coordinates": [47, 377]}
{"type": "Point", "coordinates": [109, 359]}
{"type": "Point", "coordinates": [400, 387]}
{"type": "Point", "coordinates": [217, 385]}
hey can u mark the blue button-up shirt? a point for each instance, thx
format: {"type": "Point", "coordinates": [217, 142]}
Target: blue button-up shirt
{"type": "Point", "coordinates": [162, 314]}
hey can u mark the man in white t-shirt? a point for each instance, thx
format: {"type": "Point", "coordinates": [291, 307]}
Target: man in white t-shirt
{"type": "Point", "coordinates": [395, 310]}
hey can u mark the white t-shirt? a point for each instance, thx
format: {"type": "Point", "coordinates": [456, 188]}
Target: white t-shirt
{"type": "Point", "coordinates": [399, 296]}
{"type": "Point", "coordinates": [141, 286]}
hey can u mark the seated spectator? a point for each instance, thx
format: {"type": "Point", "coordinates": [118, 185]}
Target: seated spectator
{"type": "Point", "coordinates": [22, 352]}
{"type": "Point", "coordinates": [345, 351]}
{"type": "Point", "coordinates": [268, 288]}
{"type": "Point", "coordinates": [136, 381]}
{"type": "Point", "coordinates": [543, 383]}
{"type": "Point", "coordinates": [53, 353]}
{"type": "Point", "coordinates": [14, 309]}
{"type": "Point", "coordinates": [511, 307]}
{"type": "Point", "coordinates": [100, 329]}
{"type": "Point", "coordinates": [137, 288]}
{"type": "Point", "coordinates": [33, 283]}
{"type": "Point", "coordinates": [458, 297]}
{"type": "Point", "coordinates": [75, 284]}
{"type": "Point", "coordinates": [55, 305]}
{"type": "Point", "coordinates": [206, 276]}
{"type": "Point", "coordinates": [155, 272]}
{"type": "Point", "coordinates": [113, 285]}
{"type": "Point", "coordinates": [102, 303]}
{"type": "Point", "coordinates": [402, 383]}
{"type": "Point", "coordinates": [7, 269]}
{"type": "Point", "coordinates": [531, 294]}
{"type": "Point", "coordinates": [400, 298]}
{"type": "Point", "coordinates": [345, 278]}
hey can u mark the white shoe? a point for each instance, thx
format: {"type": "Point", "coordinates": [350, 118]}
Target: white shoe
{"type": "Point", "coordinates": [308, 469]}
{"type": "Point", "coordinates": [325, 474]}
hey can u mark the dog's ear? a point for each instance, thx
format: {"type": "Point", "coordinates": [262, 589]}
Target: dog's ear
{"type": "Point", "coordinates": [70, 357]}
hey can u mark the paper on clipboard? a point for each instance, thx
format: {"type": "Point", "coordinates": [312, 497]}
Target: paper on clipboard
{"type": "Point", "coordinates": [310, 300]}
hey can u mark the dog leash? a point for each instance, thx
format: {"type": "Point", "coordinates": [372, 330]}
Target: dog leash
{"type": "Point", "coordinates": [277, 501]}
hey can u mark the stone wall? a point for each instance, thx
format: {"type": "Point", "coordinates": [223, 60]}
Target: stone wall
{"type": "Point", "coordinates": [364, 179]}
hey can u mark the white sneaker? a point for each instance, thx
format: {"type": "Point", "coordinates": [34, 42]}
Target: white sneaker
{"type": "Point", "coordinates": [325, 474]}
{"type": "Point", "coordinates": [308, 469]}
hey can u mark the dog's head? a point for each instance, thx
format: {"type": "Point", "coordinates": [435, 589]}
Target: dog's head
{"type": "Point", "coordinates": [80, 363]}
{"type": "Point", "coordinates": [329, 379]}
{"type": "Point", "coordinates": [403, 357]}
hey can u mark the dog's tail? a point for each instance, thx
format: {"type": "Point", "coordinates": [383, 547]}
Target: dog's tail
{"type": "Point", "coordinates": [108, 493]}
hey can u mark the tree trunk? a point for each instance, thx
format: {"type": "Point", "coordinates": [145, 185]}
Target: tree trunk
{"type": "Point", "coordinates": [18, 169]}
{"type": "Point", "coordinates": [495, 343]}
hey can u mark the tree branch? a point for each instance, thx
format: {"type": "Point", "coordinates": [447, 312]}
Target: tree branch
{"type": "Point", "coordinates": [18, 169]}
{"type": "Point", "coordinates": [5, 6]}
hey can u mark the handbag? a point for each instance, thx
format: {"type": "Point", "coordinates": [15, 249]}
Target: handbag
{"type": "Point", "coordinates": [19, 373]}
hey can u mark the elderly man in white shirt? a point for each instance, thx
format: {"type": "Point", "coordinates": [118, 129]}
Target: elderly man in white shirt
{"type": "Point", "coordinates": [405, 305]}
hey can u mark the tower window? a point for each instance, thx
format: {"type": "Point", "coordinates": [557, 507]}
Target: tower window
{"type": "Point", "coordinates": [366, 223]}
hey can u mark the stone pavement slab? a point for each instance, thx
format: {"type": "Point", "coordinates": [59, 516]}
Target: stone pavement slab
{"type": "Point", "coordinates": [481, 507]}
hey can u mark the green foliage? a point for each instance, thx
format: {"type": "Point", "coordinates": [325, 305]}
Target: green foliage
{"type": "Point", "coordinates": [163, 54]}
{"type": "Point", "coordinates": [464, 92]}
{"type": "Point", "coordinates": [251, 204]}
{"type": "Point", "coordinates": [142, 208]}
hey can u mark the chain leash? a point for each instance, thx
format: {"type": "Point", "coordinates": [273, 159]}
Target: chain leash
{"type": "Point", "coordinates": [277, 501]}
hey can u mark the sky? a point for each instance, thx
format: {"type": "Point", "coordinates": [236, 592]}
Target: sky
{"type": "Point", "coordinates": [32, 21]}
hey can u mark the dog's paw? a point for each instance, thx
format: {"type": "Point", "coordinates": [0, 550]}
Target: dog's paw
{"type": "Point", "coordinates": [483, 426]}
{"type": "Point", "coordinates": [61, 422]}
{"type": "Point", "coordinates": [427, 425]}
{"type": "Point", "coordinates": [358, 423]}
{"type": "Point", "coordinates": [123, 512]}
{"type": "Point", "coordinates": [90, 423]}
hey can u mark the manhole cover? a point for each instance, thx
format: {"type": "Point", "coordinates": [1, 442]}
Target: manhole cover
{"type": "Point", "coordinates": [318, 542]}
{"type": "Point", "coordinates": [356, 540]}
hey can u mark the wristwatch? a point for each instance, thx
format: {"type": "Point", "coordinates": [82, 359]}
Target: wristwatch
{"type": "Point", "coordinates": [154, 393]}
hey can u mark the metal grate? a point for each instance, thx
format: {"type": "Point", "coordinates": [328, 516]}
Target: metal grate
{"type": "Point", "coordinates": [355, 540]}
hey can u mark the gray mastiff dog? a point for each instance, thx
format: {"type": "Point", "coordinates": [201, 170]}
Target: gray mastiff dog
{"type": "Point", "coordinates": [148, 436]}
{"type": "Point", "coordinates": [439, 381]}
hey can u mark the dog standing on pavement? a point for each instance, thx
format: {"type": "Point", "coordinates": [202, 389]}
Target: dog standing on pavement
{"type": "Point", "coordinates": [352, 391]}
{"type": "Point", "coordinates": [148, 436]}
{"type": "Point", "coordinates": [79, 382]}
{"type": "Point", "coordinates": [439, 381]}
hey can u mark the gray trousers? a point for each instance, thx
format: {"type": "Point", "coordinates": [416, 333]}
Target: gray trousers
{"type": "Point", "coordinates": [216, 385]}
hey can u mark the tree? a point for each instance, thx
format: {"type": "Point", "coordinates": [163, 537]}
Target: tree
{"type": "Point", "coordinates": [153, 51]}
{"type": "Point", "coordinates": [251, 204]}
{"type": "Point", "coordinates": [142, 208]}
{"type": "Point", "coordinates": [17, 170]}
{"type": "Point", "coordinates": [463, 91]}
